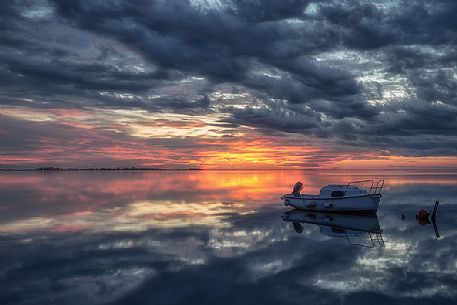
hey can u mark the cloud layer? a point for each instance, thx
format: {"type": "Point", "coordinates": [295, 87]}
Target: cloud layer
{"type": "Point", "coordinates": [374, 75]}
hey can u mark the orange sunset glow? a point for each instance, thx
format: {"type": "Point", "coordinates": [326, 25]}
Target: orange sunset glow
{"type": "Point", "coordinates": [188, 142]}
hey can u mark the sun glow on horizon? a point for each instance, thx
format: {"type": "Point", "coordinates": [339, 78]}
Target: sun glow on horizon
{"type": "Point", "coordinates": [93, 137]}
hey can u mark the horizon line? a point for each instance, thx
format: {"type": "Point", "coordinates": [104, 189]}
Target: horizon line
{"type": "Point", "coordinates": [50, 168]}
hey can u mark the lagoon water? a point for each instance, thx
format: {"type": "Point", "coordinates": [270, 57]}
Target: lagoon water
{"type": "Point", "coordinates": [218, 237]}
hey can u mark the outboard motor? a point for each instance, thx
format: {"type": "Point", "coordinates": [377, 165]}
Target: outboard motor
{"type": "Point", "coordinates": [297, 188]}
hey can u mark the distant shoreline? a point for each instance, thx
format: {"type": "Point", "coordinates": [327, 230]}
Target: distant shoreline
{"type": "Point", "coordinates": [57, 169]}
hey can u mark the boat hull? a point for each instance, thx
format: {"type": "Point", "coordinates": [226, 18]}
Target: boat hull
{"type": "Point", "coordinates": [342, 221]}
{"type": "Point", "coordinates": [367, 204]}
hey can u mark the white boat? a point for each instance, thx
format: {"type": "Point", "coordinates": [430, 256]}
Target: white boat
{"type": "Point", "coordinates": [338, 198]}
{"type": "Point", "coordinates": [351, 227]}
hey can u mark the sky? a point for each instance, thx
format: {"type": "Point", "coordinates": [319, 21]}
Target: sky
{"type": "Point", "coordinates": [228, 84]}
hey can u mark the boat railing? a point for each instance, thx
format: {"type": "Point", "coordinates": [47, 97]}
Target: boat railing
{"type": "Point", "coordinates": [376, 239]}
{"type": "Point", "coordinates": [376, 189]}
{"type": "Point", "coordinates": [373, 190]}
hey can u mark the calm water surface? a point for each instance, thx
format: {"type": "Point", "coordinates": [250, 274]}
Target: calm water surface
{"type": "Point", "coordinates": [218, 237]}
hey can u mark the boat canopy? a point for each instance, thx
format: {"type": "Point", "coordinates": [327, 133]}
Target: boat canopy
{"type": "Point", "coordinates": [337, 190]}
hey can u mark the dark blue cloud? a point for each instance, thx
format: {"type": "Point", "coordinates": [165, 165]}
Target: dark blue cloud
{"type": "Point", "coordinates": [301, 61]}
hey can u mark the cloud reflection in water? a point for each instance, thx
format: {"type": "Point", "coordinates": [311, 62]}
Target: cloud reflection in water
{"type": "Point", "coordinates": [207, 237]}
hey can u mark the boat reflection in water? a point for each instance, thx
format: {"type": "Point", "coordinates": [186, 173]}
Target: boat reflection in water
{"type": "Point", "coordinates": [351, 227]}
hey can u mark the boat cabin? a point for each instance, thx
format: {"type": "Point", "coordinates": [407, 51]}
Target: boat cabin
{"type": "Point", "coordinates": [337, 190]}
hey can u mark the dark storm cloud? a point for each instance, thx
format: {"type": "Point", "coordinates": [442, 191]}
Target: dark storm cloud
{"type": "Point", "coordinates": [181, 104]}
{"type": "Point", "coordinates": [223, 46]}
{"type": "Point", "coordinates": [229, 45]}
{"type": "Point", "coordinates": [423, 22]}
{"type": "Point", "coordinates": [417, 42]}
{"type": "Point", "coordinates": [268, 47]}
{"type": "Point", "coordinates": [56, 72]}
{"type": "Point", "coordinates": [360, 25]}
{"type": "Point", "coordinates": [268, 10]}
{"type": "Point", "coordinates": [276, 115]}
{"type": "Point", "coordinates": [92, 77]}
{"type": "Point", "coordinates": [330, 91]}
{"type": "Point", "coordinates": [364, 25]}
{"type": "Point", "coordinates": [440, 86]}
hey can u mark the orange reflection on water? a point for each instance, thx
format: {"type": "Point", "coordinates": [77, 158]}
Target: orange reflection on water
{"type": "Point", "coordinates": [138, 200]}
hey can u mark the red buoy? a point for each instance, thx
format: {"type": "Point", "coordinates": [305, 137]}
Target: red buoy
{"type": "Point", "coordinates": [422, 217]}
